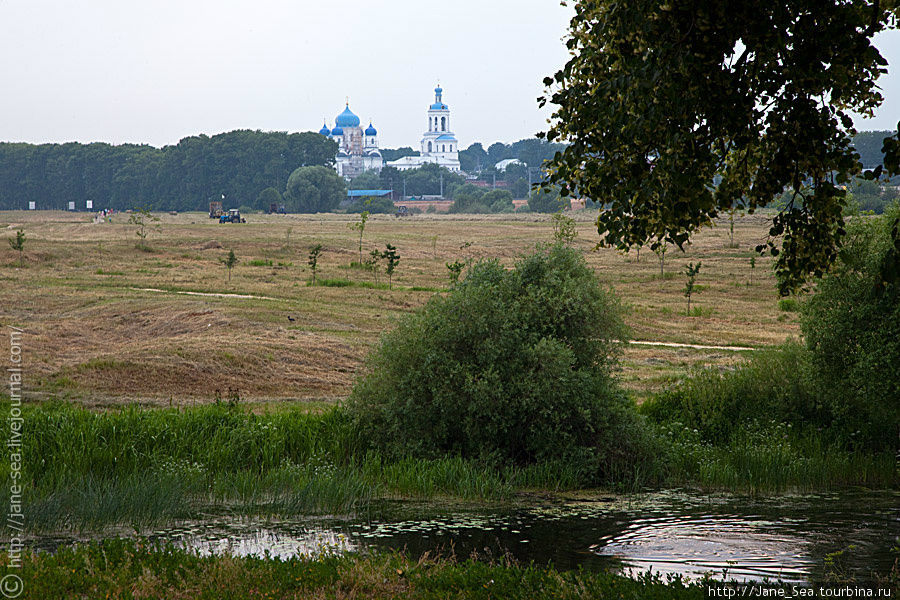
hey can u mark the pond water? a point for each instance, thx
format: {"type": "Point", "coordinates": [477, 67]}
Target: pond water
{"type": "Point", "coordinates": [784, 537]}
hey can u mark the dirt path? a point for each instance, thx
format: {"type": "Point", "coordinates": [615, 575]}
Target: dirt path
{"type": "Point", "coordinates": [692, 346]}
{"type": "Point", "coordinates": [213, 294]}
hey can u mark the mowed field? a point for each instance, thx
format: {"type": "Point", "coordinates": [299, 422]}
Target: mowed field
{"type": "Point", "coordinates": [107, 322]}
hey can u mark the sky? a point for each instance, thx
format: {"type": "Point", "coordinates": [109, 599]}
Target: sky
{"type": "Point", "coordinates": [155, 72]}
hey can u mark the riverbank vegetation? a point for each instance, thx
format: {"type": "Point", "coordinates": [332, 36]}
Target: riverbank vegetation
{"type": "Point", "coordinates": [503, 385]}
{"type": "Point", "coordinates": [135, 569]}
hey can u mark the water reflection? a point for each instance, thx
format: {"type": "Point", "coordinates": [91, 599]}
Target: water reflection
{"type": "Point", "coordinates": [779, 538]}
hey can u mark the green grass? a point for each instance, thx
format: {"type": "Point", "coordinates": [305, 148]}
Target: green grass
{"type": "Point", "coordinates": [118, 568]}
{"type": "Point", "coordinates": [260, 262]}
{"type": "Point", "coordinates": [788, 305]}
{"type": "Point", "coordinates": [146, 466]}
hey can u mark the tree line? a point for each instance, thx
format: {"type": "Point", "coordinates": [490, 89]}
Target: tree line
{"type": "Point", "coordinates": [185, 176]}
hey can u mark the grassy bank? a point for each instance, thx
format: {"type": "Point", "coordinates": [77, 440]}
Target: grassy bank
{"type": "Point", "coordinates": [85, 469]}
{"type": "Point", "coordinates": [129, 569]}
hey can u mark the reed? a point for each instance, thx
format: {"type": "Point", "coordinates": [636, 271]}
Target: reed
{"type": "Point", "coordinates": [119, 568]}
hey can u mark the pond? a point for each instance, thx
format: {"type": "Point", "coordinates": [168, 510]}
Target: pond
{"type": "Point", "coordinates": [780, 538]}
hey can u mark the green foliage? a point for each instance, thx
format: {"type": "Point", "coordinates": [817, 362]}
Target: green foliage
{"type": "Point", "coordinates": [564, 229]}
{"type": "Point", "coordinates": [372, 263]}
{"type": "Point", "coordinates": [691, 271]}
{"type": "Point", "coordinates": [367, 180]}
{"type": "Point", "coordinates": [789, 304]}
{"type": "Point", "coordinates": [470, 198]}
{"type": "Point", "coordinates": [545, 200]}
{"type": "Point", "coordinates": [18, 244]}
{"type": "Point", "coordinates": [852, 328]}
{"type": "Point", "coordinates": [769, 386]}
{"type": "Point", "coordinates": [313, 260]}
{"type": "Point", "coordinates": [125, 568]}
{"type": "Point", "coordinates": [659, 249]}
{"type": "Point", "coordinates": [661, 99]}
{"type": "Point", "coordinates": [314, 190]}
{"type": "Point", "coordinates": [267, 198]}
{"type": "Point", "coordinates": [182, 177]}
{"type": "Point", "coordinates": [392, 257]}
{"type": "Point", "coordinates": [456, 269]}
{"type": "Point", "coordinates": [426, 180]}
{"type": "Point", "coordinates": [144, 220]}
{"type": "Point", "coordinates": [229, 261]}
{"type": "Point", "coordinates": [380, 205]}
{"type": "Point", "coordinates": [511, 367]}
{"type": "Point", "coordinates": [360, 226]}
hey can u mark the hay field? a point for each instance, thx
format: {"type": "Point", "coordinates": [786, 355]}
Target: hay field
{"type": "Point", "coordinates": [107, 322]}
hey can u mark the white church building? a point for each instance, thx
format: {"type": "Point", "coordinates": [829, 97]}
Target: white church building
{"type": "Point", "coordinates": [438, 145]}
{"type": "Point", "coordinates": [357, 148]}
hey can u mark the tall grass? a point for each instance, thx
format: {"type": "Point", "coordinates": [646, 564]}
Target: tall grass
{"type": "Point", "coordinates": [138, 466]}
{"type": "Point", "coordinates": [119, 568]}
{"type": "Point", "coordinates": [760, 428]}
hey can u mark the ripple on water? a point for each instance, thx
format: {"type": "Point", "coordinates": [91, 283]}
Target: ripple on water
{"type": "Point", "coordinates": [693, 545]}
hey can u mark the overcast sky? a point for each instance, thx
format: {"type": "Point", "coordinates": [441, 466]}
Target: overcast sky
{"type": "Point", "coordinates": [154, 72]}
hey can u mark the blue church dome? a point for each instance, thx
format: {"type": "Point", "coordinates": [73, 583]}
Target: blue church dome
{"type": "Point", "coordinates": [438, 103]}
{"type": "Point", "coordinates": [325, 130]}
{"type": "Point", "coordinates": [371, 130]}
{"type": "Point", "coordinates": [347, 119]}
{"type": "Point", "coordinates": [337, 131]}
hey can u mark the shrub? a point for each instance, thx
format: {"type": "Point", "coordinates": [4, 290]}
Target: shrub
{"type": "Point", "coordinates": [510, 367]}
{"type": "Point", "coordinates": [852, 329]}
{"type": "Point", "coordinates": [769, 386]}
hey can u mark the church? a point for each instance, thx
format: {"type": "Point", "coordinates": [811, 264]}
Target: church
{"type": "Point", "coordinates": [438, 144]}
{"type": "Point", "coordinates": [357, 148]}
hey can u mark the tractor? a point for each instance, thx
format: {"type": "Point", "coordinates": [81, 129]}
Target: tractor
{"type": "Point", "coordinates": [232, 216]}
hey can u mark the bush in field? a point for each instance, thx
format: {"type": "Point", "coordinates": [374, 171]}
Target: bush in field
{"type": "Point", "coordinates": [843, 386]}
{"type": "Point", "coordinates": [770, 386]}
{"type": "Point", "coordinates": [852, 329]}
{"type": "Point", "coordinates": [512, 367]}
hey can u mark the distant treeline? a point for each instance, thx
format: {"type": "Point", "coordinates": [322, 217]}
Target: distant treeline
{"type": "Point", "coordinates": [241, 164]}
{"type": "Point", "coordinates": [186, 176]}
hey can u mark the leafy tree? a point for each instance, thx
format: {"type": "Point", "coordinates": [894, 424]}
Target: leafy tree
{"type": "Point", "coordinates": [392, 257]}
{"type": "Point", "coordinates": [511, 367]}
{"type": "Point", "coordinates": [314, 190]}
{"type": "Point", "coordinates": [852, 329]}
{"type": "Point", "coordinates": [389, 154]}
{"type": "Point", "coordinates": [18, 244]}
{"type": "Point", "coordinates": [313, 260]}
{"type": "Point", "coordinates": [268, 197]}
{"type": "Point", "coordinates": [367, 180]}
{"type": "Point", "coordinates": [372, 263]}
{"type": "Point", "coordinates": [360, 226]}
{"type": "Point", "coordinates": [498, 201]}
{"type": "Point", "coordinates": [427, 180]}
{"type": "Point", "coordinates": [868, 145]}
{"type": "Point", "coordinates": [229, 261]}
{"type": "Point", "coordinates": [691, 270]}
{"type": "Point", "coordinates": [372, 205]}
{"type": "Point", "coordinates": [661, 99]}
{"type": "Point", "coordinates": [545, 200]}
{"type": "Point", "coordinates": [391, 179]}
{"type": "Point", "coordinates": [456, 269]}
{"type": "Point", "coordinates": [473, 159]}
{"type": "Point", "coordinates": [564, 230]}
{"type": "Point", "coordinates": [660, 251]}
{"type": "Point", "coordinates": [496, 152]}
{"type": "Point", "coordinates": [144, 220]}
